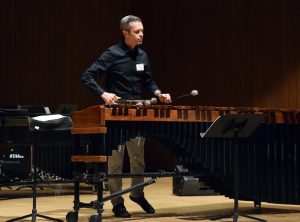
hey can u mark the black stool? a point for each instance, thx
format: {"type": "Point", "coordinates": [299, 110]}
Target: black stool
{"type": "Point", "coordinates": [39, 124]}
{"type": "Point", "coordinates": [96, 179]}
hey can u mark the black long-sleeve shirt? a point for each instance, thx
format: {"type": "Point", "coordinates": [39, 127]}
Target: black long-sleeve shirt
{"type": "Point", "coordinates": [126, 70]}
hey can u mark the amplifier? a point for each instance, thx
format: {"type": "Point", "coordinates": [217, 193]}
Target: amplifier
{"type": "Point", "coordinates": [14, 162]}
{"type": "Point", "coordinates": [190, 185]}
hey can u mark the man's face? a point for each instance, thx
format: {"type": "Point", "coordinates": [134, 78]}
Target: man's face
{"type": "Point", "coordinates": [135, 35]}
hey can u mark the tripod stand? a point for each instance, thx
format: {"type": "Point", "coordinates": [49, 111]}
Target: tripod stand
{"type": "Point", "coordinates": [36, 124]}
{"type": "Point", "coordinates": [235, 126]}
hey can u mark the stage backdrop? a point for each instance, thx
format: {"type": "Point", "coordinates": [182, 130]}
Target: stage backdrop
{"type": "Point", "coordinates": [235, 52]}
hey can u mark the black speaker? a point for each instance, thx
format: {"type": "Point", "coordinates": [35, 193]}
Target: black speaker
{"type": "Point", "coordinates": [15, 162]}
{"type": "Point", "coordinates": [190, 185]}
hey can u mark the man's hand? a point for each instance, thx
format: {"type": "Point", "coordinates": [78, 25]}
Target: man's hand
{"type": "Point", "coordinates": [109, 98]}
{"type": "Point", "coordinates": [165, 98]}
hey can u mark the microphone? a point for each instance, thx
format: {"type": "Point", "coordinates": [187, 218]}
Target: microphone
{"type": "Point", "coordinates": [194, 92]}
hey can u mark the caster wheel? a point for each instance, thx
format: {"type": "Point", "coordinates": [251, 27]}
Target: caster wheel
{"type": "Point", "coordinates": [72, 217]}
{"type": "Point", "coordinates": [95, 218]}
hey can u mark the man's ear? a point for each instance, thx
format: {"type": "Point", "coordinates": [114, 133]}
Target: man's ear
{"type": "Point", "coordinates": [125, 33]}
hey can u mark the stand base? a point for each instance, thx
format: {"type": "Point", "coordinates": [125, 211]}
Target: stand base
{"type": "Point", "coordinates": [34, 216]}
{"type": "Point", "coordinates": [235, 217]}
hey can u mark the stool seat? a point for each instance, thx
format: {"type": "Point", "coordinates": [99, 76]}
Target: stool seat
{"type": "Point", "coordinates": [88, 158]}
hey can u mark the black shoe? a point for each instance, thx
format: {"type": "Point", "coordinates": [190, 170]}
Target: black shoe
{"type": "Point", "coordinates": [143, 203]}
{"type": "Point", "coordinates": [120, 211]}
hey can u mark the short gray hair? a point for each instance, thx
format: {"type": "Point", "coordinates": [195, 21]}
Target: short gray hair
{"type": "Point", "coordinates": [124, 23]}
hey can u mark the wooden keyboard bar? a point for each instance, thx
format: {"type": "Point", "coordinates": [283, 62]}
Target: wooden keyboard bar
{"type": "Point", "coordinates": [88, 159]}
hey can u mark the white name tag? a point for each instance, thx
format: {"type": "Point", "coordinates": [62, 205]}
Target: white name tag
{"type": "Point", "coordinates": [139, 67]}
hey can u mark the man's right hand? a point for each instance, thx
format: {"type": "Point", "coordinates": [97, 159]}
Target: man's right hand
{"type": "Point", "coordinates": [109, 98]}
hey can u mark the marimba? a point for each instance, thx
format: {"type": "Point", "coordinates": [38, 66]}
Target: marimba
{"type": "Point", "coordinates": [269, 160]}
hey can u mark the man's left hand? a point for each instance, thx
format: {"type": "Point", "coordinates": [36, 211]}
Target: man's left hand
{"type": "Point", "coordinates": [165, 98]}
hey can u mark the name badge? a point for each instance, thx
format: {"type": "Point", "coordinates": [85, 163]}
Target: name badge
{"type": "Point", "coordinates": [139, 67]}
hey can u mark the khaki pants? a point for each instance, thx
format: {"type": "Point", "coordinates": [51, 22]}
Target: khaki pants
{"type": "Point", "coordinates": [135, 149]}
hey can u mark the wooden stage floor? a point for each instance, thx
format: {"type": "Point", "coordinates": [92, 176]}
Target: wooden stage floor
{"type": "Point", "coordinates": [169, 207]}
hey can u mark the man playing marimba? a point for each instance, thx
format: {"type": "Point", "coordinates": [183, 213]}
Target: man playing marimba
{"type": "Point", "coordinates": [127, 70]}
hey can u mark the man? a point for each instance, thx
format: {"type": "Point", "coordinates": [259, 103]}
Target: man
{"type": "Point", "coordinates": [127, 70]}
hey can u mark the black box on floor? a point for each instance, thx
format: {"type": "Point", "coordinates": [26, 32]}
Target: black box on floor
{"type": "Point", "coordinates": [189, 185]}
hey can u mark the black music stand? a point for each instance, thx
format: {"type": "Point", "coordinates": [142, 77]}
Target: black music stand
{"type": "Point", "coordinates": [37, 124]}
{"type": "Point", "coordinates": [234, 126]}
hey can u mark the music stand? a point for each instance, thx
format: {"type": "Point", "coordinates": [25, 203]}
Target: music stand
{"type": "Point", "coordinates": [234, 126]}
{"type": "Point", "coordinates": [36, 124]}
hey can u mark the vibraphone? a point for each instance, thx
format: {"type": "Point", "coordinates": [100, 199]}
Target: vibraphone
{"type": "Point", "coordinates": [269, 160]}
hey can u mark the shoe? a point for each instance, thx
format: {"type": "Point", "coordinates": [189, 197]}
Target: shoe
{"type": "Point", "coordinates": [143, 203]}
{"type": "Point", "coordinates": [120, 211]}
